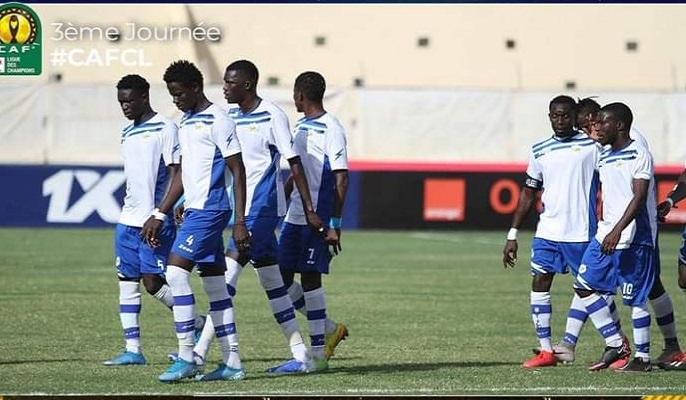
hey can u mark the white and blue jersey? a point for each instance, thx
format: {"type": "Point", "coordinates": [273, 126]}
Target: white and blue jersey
{"type": "Point", "coordinates": [567, 170]}
{"type": "Point", "coordinates": [321, 143]}
{"type": "Point", "coordinates": [206, 138]}
{"type": "Point", "coordinates": [147, 148]}
{"type": "Point", "coordinates": [618, 168]}
{"type": "Point", "coordinates": [265, 136]}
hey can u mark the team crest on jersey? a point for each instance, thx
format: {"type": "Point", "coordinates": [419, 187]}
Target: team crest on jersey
{"type": "Point", "coordinates": [253, 128]}
{"type": "Point", "coordinates": [576, 148]}
{"type": "Point", "coordinates": [146, 135]}
{"type": "Point", "coordinates": [311, 132]}
{"type": "Point", "coordinates": [198, 126]}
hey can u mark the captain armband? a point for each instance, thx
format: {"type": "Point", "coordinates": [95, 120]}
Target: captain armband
{"type": "Point", "coordinates": [533, 183]}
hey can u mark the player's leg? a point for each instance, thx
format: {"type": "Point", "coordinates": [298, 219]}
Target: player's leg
{"type": "Point", "coordinates": [289, 247]}
{"type": "Point", "coordinates": [636, 279]}
{"type": "Point", "coordinates": [663, 308]}
{"type": "Point", "coordinates": [208, 248]}
{"type": "Point", "coordinates": [198, 241]}
{"type": "Point", "coordinates": [598, 275]}
{"type": "Point", "coordinates": [126, 246]}
{"type": "Point", "coordinates": [336, 332]}
{"type": "Point", "coordinates": [263, 257]}
{"type": "Point", "coordinates": [572, 254]}
{"type": "Point", "coordinates": [546, 261]}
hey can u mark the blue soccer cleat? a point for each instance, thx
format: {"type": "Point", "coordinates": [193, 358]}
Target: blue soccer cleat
{"type": "Point", "coordinates": [292, 366]}
{"type": "Point", "coordinates": [179, 370]}
{"type": "Point", "coordinates": [222, 373]}
{"type": "Point", "coordinates": [126, 358]}
{"type": "Point", "coordinates": [199, 360]}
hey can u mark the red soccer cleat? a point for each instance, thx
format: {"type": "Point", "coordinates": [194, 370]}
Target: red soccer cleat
{"type": "Point", "coordinates": [542, 359]}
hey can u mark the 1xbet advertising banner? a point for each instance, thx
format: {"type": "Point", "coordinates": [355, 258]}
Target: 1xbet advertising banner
{"type": "Point", "coordinates": [79, 196]}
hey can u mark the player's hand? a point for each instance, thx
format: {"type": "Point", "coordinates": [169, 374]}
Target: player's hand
{"type": "Point", "coordinates": [241, 237]}
{"type": "Point", "coordinates": [662, 210]}
{"type": "Point", "coordinates": [333, 241]}
{"type": "Point", "coordinates": [178, 214]}
{"type": "Point", "coordinates": [150, 231]}
{"type": "Point", "coordinates": [510, 254]}
{"type": "Point", "coordinates": [314, 221]}
{"type": "Point", "coordinates": [610, 242]}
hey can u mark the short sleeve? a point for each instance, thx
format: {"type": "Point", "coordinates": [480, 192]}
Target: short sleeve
{"type": "Point", "coordinates": [336, 147]}
{"type": "Point", "coordinates": [224, 136]}
{"type": "Point", "coordinates": [171, 153]}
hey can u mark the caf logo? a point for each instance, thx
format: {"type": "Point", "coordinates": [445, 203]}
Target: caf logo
{"type": "Point", "coordinates": [17, 26]}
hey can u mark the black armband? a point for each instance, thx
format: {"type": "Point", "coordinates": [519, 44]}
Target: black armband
{"type": "Point", "coordinates": [532, 183]}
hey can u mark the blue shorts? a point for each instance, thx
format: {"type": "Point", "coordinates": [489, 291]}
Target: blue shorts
{"type": "Point", "coordinates": [549, 257]}
{"type": "Point", "coordinates": [200, 237]}
{"type": "Point", "coordinates": [134, 257]}
{"type": "Point", "coordinates": [632, 269]}
{"type": "Point", "coordinates": [302, 250]}
{"type": "Point", "coordinates": [264, 248]}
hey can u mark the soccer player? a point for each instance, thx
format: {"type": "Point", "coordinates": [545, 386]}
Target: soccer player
{"type": "Point", "coordinates": [677, 194]}
{"type": "Point", "coordinates": [208, 142]}
{"type": "Point", "coordinates": [320, 140]}
{"type": "Point", "coordinates": [623, 248]}
{"type": "Point", "coordinates": [659, 299]}
{"type": "Point", "coordinates": [563, 167]}
{"type": "Point", "coordinates": [150, 148]}
{"type": "Point", "coordinates": [262, 130]}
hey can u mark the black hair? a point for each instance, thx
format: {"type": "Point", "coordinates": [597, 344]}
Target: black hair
{"type": "Point", "coordinates": [587, 106]}
{"type": "Point", "coordinates": [620, 111]}
{"type": "Point", "coordinates": [183, 72]}
{"type": "Point", "coordinates": [247, 68]}
{"type": "Point", "coordinates": [312, 85]}
{"type": "Point", "coordinates": [134, 82]}
{"type": "Point", "coordinates": [564, 100]}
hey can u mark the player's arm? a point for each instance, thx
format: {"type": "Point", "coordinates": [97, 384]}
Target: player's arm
{"type": "Point", "coordinates": [173, 190]}
{"type": "Point", "coordinates": [677, 194]}
{"type": "Point", "coordinates": [288, 186]}
{"type": "Point", "coordinates": [526, 201]}
{"type": "Point", "coordinates": [300, 181]}
{"type": "Point", "coordinates": [341, 179]}
{"type": "Point", "coordinates": [283, 138]}
{"type": "Point", "coordinates": [172, 193]}
{"type": "Point", "coordinates": [224, 136]}
{"type": "Point", "coordinates": [639, 187]}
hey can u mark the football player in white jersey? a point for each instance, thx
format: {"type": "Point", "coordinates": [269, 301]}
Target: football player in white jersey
{"type": "Point", "coordinates": [564, 168]}
{"type": "Point", "coordinates": [659, 298]}
{"type": "Point", "coordinates": [150, 148]}
{"type": "Point", "coordinates": [262, 130]}
{"type": "Point", "coordinates": [621, 253]}
{"type": "Point", "coordinates": [208, 143]}
{"type": "Point", "coordinates": [320, 140]}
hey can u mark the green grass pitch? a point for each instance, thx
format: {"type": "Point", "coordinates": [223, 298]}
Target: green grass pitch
{"type": "Point", "coordinates": [429, 313]}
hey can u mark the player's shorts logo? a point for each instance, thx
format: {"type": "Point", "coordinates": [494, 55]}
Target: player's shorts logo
{"type": "Point", "coordinates": [20, 40]}
{"type": "Point", "coordinates": [582, 269]}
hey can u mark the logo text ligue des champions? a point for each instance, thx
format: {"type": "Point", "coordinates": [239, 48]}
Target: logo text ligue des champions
{"type": "Point", "coordinates": [20, 40]}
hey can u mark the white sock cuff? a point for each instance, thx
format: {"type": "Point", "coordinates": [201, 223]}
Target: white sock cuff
{"type": "Point", "coordinates": [295, 290]}
{"type": "Point", "coordinates": [129, 292]}
{"type": "Point", "coordinates": [540, 297]}
{"type": "Point", "coordinates": [162, 292]}
{"type": "Point", "coordinates": [639, 312]}
{"type": "Point", "coordinates": [663, 304]}
{"type": "Point", "coordinates": [270, 277]}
